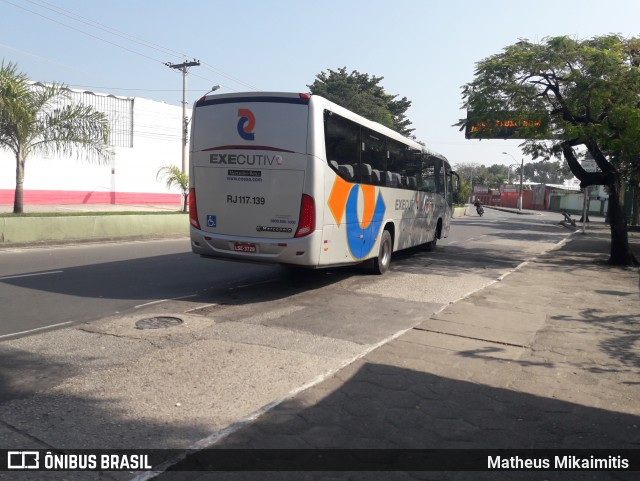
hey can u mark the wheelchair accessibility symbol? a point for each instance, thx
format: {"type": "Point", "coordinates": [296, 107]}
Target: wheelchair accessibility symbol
{"type": "Point", "coordinates": [211, 221]}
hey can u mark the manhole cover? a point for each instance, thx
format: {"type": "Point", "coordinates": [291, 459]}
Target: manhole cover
{"type": "Point", "coordinates": [158, 322]}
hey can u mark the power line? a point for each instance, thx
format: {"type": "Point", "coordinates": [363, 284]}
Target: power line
{"type": "Point", "coordinates": [220, 72]}
{"type": "Point", "coordinates": [118, 33]}
{"type": "Point", "coordinates": [83, 32]}
{"type": "Point", "coordinates": [123, 88]}
{"type": "Point", "coordinates": [105, 28]}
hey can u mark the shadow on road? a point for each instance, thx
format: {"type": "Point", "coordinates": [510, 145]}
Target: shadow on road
{"type": "Point", "coordinates": [388, 407]}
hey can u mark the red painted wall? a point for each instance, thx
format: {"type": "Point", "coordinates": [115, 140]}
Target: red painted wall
{"type": "Point", "coordinates": [62, 197]}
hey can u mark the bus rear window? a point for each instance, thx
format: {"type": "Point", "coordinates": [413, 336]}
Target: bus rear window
{"type": "Point", "coordinates": [256, 125]}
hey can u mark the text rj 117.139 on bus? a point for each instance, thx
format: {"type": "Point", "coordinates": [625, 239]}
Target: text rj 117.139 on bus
{"type": "Point", "coordinates": [296, 179]}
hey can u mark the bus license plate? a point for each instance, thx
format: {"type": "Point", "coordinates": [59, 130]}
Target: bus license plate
{"type": "Point", "coordinates": [244, 247]}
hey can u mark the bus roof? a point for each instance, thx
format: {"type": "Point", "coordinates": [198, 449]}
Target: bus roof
{"type": "Point", "coordinates": [306, 98]}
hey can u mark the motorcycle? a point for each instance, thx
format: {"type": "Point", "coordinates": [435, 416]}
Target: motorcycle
{"type": "Point", "coordinates": [479, 209]}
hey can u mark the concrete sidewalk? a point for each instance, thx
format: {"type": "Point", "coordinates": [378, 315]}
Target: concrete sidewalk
{"type": "Point", "coordinates": [546, 358]}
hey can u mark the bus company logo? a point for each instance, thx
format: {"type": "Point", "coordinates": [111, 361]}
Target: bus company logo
{"type": "Point", "coordinates": [343, 202]}
{"type": "Point", "coordinates": [246, 124]}
{"type": "Point", "coordinates": [424, 202]}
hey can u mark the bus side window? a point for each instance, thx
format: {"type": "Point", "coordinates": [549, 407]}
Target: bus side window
{"type": "Point", "coordinates": [428, 174]}
{"type": "Point", "coordinates": [346, 172]}
{"type": "Point", "coordinates": [395, 163]}
{"type": "Point", "coordinates": [449, 178]}
{"type": "Point", "coordinates": [411, 168]}
{"type": "Point", "coordinates": [373, 156]}
{"type": "Point", "coordinates": [366, 174]}
{"type": "Point", "coordinates": [441, 177]}
{"type": "Point", "coordinates": [342, 139]}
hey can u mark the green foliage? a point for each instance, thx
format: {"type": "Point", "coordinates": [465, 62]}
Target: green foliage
{"type": "Point", "coordinates": [361, 94]}
{"type": "Point", "coordinates": [174, 177]}
{"type": "Point", "coordinates": [473, 174]}
{"type": "Point", "coordinates": [39, 119]}
{"type": "Point", "coordinates": [589, 92]}
{"type": "Point", "coordinates": [463, 195]}
{"type": "Point", "coordinates": [545, 172]}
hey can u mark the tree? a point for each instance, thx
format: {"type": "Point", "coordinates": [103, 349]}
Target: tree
{"type": "Point", "coordinates": [492, 177]}
{"type": "Point", "coordinates": [37, 119]}
{"type": "Point", "coordinates": [546, 172]}
{"type": "Point", "coordinates": [463, 195]}
{"type": "Point", "coordinates": [174, 176]}
{"type": "Point", "coordinates": [361, 94]}
{"type": "Point", "coordinates": [587, 93]}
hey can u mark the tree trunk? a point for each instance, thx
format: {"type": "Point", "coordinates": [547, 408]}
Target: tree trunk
{"type": "Point", "coordinates": [620, 254]}
{"type": "Point", "coordinates": [635, 219]}
{"type": "Point", "coordinates": [18, 205]}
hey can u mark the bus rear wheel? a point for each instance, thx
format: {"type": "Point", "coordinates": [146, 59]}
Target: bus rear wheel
{"type": "Point", "coordinates": [381, 263]}
{"type": "Point", "coordinates": [429, 246]}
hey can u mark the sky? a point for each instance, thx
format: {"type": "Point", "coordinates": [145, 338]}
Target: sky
{"type": "Point", "coordinates": [426, 50]}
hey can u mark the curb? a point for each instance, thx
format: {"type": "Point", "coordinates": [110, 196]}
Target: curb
{"type": "Point", "coordinates": [512, 211]}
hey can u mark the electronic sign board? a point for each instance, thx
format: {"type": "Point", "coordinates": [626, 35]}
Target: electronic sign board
{"type": "Point", "coordinates": [503, 125]}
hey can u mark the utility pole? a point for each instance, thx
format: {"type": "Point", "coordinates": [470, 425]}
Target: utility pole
{"type": "Point", "coordinates": [521, 179]}
{"type": "Point", "coordinates": [185, 122]}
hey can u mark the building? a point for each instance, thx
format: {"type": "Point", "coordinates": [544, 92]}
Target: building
{"type": "Point", "coordinates": [552, 197]}
{"type": "Point", "coordinates": [145, 135]}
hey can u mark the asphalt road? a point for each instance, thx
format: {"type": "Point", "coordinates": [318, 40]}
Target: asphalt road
{"type": "Point", "coordinates": [42, 287]}
{"type": "Point", "coordinates": [58, 286]}
{"type": "Point", "coordinates": [252, 334]}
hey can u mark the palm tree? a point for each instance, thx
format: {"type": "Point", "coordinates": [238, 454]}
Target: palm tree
{"type": "Point", "coordinates": [40, 119]}
{"type": "Point", "coordinates": [175, 177]}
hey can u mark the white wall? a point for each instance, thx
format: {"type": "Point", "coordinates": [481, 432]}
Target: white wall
{"type": "Point", "coordinates": [157, 141]}
{"type": "Point", "coordinates": [574, 202]}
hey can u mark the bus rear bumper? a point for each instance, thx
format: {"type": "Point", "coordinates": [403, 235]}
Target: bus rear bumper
{"type": "Point", "coordinates": [303, 251]}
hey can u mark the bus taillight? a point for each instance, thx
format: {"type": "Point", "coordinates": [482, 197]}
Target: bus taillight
{"type": "Point", "coordinates": [193, 211]}
{"type": "Point", "coordinates": [307, 221]}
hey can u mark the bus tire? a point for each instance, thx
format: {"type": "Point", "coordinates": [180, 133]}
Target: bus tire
{"type": "Point", "coordinates": [381, 263]}
{"type": "Point", "coordinates": [429, 246]}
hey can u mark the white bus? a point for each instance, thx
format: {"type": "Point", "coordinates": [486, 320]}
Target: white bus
{"type": "Point", "coordinates": [297, 179]}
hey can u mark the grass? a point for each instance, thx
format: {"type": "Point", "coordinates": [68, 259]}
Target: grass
{"type": "Point", "coordinates": [89, 213]}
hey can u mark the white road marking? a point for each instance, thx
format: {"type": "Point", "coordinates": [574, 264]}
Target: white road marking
{"type": "Point", "coordinates": [35, 330]}
{"type": "Point", "coordinates": [31, 275]}
{"type": "Point", "coordinates": [164, 300]}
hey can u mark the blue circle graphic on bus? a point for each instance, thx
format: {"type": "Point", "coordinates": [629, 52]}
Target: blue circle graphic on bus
{"type": "Point", "coordinates": [362, 235]}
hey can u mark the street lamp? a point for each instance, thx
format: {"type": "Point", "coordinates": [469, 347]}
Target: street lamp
{"type": "Point", "coordinates": [521, 177]}
{"type": "Point", "coordinates": [509, 170]}
{"type": "Point", "coordinates": [213, 89]}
